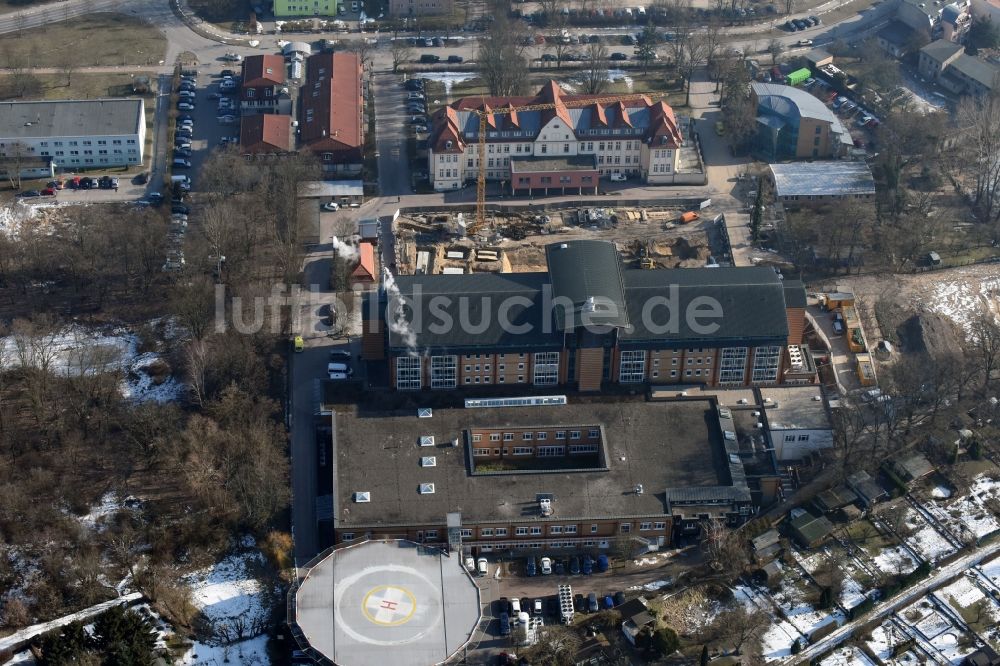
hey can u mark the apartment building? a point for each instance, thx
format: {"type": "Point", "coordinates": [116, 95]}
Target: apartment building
{"type": "Point", "coordinates": [566, 144]}
{"type": "Point", "coordinates": [73, 134]}
{"type": "Point", "coordinates": [935, 19]}
{"type": "Point", "coordinates": [293, 8]}
{"type": "Point", "coordinates": [949, 65]}
{"type": "Point", "coordinates": [331, 123]}
{"type": "Point", "coordinates": [587, 322]}
{"type": "Point", "coordinates": [266, 134]}
{"type": "Point", "coordinates": [407, 8]}
{"type": "Point", "coordinates": [264, 87]}
{"type": "Point", "coordinates": [636, 470]}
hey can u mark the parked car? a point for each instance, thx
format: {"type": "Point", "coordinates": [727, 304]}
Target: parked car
{"type": "Point", "coordinates": [180, 209]}
{"type": "Point", "coordinates": [48, 192]}
{"type": "Point", "coordinates": [414, 84]}
{"type": "Point", "coordinates": [815, 20]}
{"type": "Point", "coordinates": [546, 565]}
{"type": "Point", "coordinates": [548, 57]}
{"type": "Point", "coordinates": [602, 563]}
{"type": "Point", "coordinates": [592, 605]}
{"type": "Point", "coordinates": [515, 608]}
{"type": "Point", "coordinates": [504, 624]}
{"type": "Point", "coordinates": [182, 152]}
{"type": "Point", "coordinates": [790, 27]}
{"type": "Point", "coordinates": [331, 206]}
{"type": "Point", "coordinates": [609, 601]}
{"type": "Point", "coordinates": [619, 598]}
{"type": "Point", "coordinates": [418, 120]}
{"type": "Point", "coordinates": [800, 24]}
{"type": "Point", "coordinates": [180, 163]}
{"type": "Point", "coordinates": [530, 567]}
{"type": "Point", "coordinates": [483, 566]}
{"type": "Point", "coordinates": [455, 59]}
{"type": "Point", "coordinates": [574, 565]}
{"type": "Point", "coordinates": [429, 59]}
{"type": "Point", "coordinates": [588, 565]}
{"type": "Point", "coordinates": [618, 55]}
{"type": "Point", "coordinates": [804, 42]}
{"type": "Point", "coordinates": [579, 603]}
{"type": "Point", "coordinates": [558, 567]}
{"type": "Point", "coordinates": [141, 179]}
{"type": "Point", "coordinates": [185, 106]}
{"type": "Point", "coordinates": [232, 57]}
{"type": "Point", "coordinates": [227, 73]}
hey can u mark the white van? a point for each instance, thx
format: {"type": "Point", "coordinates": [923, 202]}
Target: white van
{"type": "Point", "coordinates": [339, 367]}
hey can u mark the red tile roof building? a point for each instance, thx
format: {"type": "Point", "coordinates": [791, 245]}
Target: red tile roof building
{"type": "Point", "coordinates": [332, 107]}
{"type": "Point", "coordinates": [263, 83]}
{"type": "Point", "coordinates": [637, 138]}
{"type": "Point", "coordinates": [265, 134]}
{"type": "Point", "coordinates": [365, 270]}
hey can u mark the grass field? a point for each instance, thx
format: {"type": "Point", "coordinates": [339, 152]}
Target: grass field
{"type": "Point", "coordinates": [98, 39]}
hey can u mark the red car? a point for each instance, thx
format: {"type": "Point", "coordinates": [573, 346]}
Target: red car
{"type": "Point", "coordinates": [74, 184]}
{"type": "Point", "coordinates": [49, 192]}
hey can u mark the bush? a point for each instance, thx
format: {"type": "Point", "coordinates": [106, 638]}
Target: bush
{"type": "Point", "coordinates": [277, 547]}
{"type": "Point", "coordinates": [796, 646]}
{"type": "Point", "coordinates": [666, 641]}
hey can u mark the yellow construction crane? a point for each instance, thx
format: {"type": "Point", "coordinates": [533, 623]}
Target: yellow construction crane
{"type": "Point", "coordinates": [484, 119]}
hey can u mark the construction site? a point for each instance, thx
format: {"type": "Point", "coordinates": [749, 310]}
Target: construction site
{"type": "Point", "coordinates": [514, 242]}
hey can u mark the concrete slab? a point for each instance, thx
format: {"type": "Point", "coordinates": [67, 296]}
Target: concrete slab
{"type": "Point", "coordinates": [395, 602]}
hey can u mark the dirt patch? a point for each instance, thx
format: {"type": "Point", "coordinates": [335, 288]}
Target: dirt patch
{"type": "Point", "coordinates": [516, 243]}
{"type": "Point", "coordinates": [929, 333]}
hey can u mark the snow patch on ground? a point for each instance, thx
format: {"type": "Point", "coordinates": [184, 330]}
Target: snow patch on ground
{"type": "Point", "coordinates": [228, 590]}
{"type": "Point", "coordinates": [897, 559]}
{"type": "Point", "coordinates": [969, 514]}
{"type": "Point", "coordinates": [881, 643]}
{"type": "Point", "coordinates": [926, 540]}
{"type": "Point", "coordinates": [847, 656]}
{"type": "Point", "coordinates": [252, 652]}
{"type": "Point", "coordinates": [800, 613]}
{"type": "Point", "coordinates": [963, 297]}
{"type": "Point", "coordinates": [941, 492]}
{"type": "Point", "coordinates": [108, 505]}
{"type": "Point", "coordinates": [24, 213]}
{"type": "Point", "coordinates": [776, 641]}
{"type": "Point", "coordinates": [76, 351]}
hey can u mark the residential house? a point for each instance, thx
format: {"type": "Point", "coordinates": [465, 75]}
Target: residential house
{"type": "Point", "coordinates": [897, 38]}
{"type": "Point", "coordinates": [568, 147]}
{"type": "Point", "coordinates": [949, 65]}
{"type": "Point", "coordinates": [365, 271]}
{"type": "Point", "coordinates": [911, 468]}
{"type": "Point", "coordinates": [72, 134]}
{"type": "Point", "coordinates": [792, 124]}
{"type": "Point", "coordinates": [263, 89]}
{"type": "Point", "coordinates": [836, 498]}
{"type": "Point", "coordinates": [332, 111]}
{"type": "Point", "coordinates": [266, 134]}
{"type": "Point", "coordinates": [935, 19]}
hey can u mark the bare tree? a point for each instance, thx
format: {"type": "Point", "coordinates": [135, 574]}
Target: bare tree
{"type": "Point", "coordinates": [503, 65]}
{"type": "Point", "coordinates": [741, 625]}
{"type": "Point", "coordinates": [789, 6]}
{"type": "Point", "coordinates": [985, 338]}
{"type": "Point", "coordinates": [595, 74]}
{"type": "Point", "coordinates": [726, 548]}
{"type": "Point", "coordinates": [15, 162]}
{"type": "Point", "coordinates": [68, 64]}
{"type": "Point", "coordinates": [775, 48]}
{"type": "Point", "coordinates": [979, 119]}
{"type": "Point", "coordinates": [556, 645]}
{"type": "Point", "coordinates": [401, 53]}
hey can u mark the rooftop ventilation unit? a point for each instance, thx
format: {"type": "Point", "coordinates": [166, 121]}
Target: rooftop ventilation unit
{"type": "Point", "coordinates": [729, 435]}
{"type": "Point", "coordinates": [363, 497]}
{"type": "Point", "coordinates": [425, 412]}
{"type": "Point", "coordinates": [545, 506]}
{"type": "Point", "coordinates": [428, 461]}
{"type": "Point", "coordinates": [426, 488]}
{"type": "Point", "coordinates": [734, 459]}
{"type": "Point", "coordinates": [455, 442]}
{"type": "Point", "coordinates": [817, 398]}
{"type": "Point", "coordinates": [638, 489]}
{"type": "Point", "coordinates": [755, 414]}
{"type": "Point", "coordinates": [742, 401]}
{"type": "Point", "coordinates": [427, 440]}
{"type": "Point", "coordinates": [725, 413]}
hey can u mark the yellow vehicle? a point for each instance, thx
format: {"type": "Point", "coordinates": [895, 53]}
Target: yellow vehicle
{"type": "Point", "coordinates": [720, 127]}
{"type": "Point", "coordinates": [299, 343]}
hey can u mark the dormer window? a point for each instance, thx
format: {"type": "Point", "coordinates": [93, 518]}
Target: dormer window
{"type": "Point", "coordinates": [447, 145]}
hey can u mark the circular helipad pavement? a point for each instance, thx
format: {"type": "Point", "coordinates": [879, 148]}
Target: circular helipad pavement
{"type": "Point", "coordinates": [387, 601]}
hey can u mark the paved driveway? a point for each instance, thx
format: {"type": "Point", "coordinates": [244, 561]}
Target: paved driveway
{"type": "Point", "coordinates": [391, 132]}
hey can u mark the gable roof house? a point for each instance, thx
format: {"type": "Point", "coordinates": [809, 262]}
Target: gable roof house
{"type": "Point", "coordinates": [263, 89]}
{"type": "Point", "coordinates": [332, 111]}
{"type": "Point", "coordinates": [266, 134]}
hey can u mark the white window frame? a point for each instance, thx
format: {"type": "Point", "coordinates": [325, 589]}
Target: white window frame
{"type": "Point", "coordinates": [545, 369]}
{"type": "Point", "coordinates": [408, 373]}
{"type": "Point", "coordinates": [632, 369]}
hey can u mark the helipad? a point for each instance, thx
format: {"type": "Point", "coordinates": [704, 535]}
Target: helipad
{"type": "Point", "coordinates": [391, 602]}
